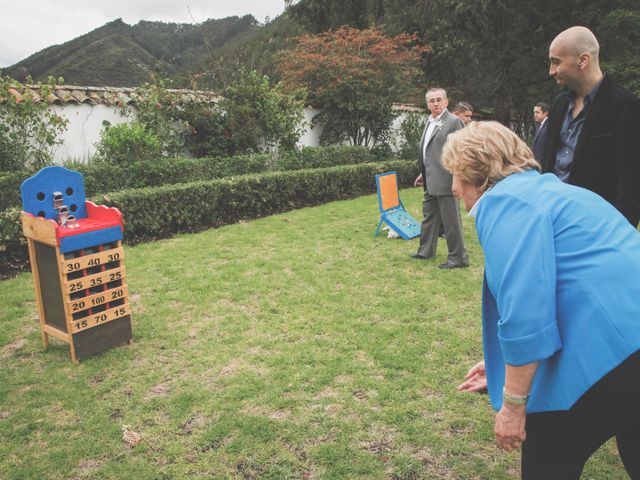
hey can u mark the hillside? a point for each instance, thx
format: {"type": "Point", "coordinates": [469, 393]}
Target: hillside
{"type": "Point", "coordinates": [121, 55]}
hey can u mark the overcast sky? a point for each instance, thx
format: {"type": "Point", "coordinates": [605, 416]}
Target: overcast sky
{"type": "Point", "coordinates": [26, 27]}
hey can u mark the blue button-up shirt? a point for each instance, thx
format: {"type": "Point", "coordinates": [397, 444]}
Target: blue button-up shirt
{"type": "Point", "coordinates": [570, 133]}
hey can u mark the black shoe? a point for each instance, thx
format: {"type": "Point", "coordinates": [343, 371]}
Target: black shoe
{"type": "Point", "coordinates": [417, 256]}
{"type": "Point", "coordinates": [449, 265]}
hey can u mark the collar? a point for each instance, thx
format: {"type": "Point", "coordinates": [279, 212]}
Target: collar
{"type": "Point", "coordinates": [589, 96]}
{"type": "Point", "coordinates": [529, 172]}
{"type": "Point", "coordinates": [432, 119]}
{"type": "Point", "coordinates": [474, 209]}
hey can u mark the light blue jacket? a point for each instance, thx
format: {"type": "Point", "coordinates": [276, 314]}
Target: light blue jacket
{"type": "Point", "coordinates": [562, 287]}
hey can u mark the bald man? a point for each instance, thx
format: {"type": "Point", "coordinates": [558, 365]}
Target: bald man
{"type": "Point", "coordinates": [593, 132]}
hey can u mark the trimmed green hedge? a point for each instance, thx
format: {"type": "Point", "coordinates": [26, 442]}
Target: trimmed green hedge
{"type": "Point", "coordinates": [102, 177]}
{"type": "Point", "coordinates": [160, 212]}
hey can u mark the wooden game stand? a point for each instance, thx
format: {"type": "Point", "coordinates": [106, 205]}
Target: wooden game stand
{"type": "Point", "coordinates": [79, 275]}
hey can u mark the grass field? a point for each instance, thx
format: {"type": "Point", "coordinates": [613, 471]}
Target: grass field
{"type": "Point", "coordinates": [292, 347]}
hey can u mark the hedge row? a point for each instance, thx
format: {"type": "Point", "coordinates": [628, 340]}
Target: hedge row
{"type": "Point", "coordinates": [160, 212]}
{"type": "Point", "coordinates": [102, 177]}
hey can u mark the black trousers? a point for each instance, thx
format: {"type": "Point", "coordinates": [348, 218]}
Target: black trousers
{"type": "Point", "coordinates": [559, 443]}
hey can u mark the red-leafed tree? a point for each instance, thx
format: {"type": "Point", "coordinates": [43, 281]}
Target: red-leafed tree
{"type": "Point", "coordinates": [353, 76]}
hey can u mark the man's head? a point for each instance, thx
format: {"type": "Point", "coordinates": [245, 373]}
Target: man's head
{"type": "Point", "coordinates": [573, 57]}
{"type": "Point", "coordinates": [540, 112]}
{"type": "Point", "coordinates": [437, 101]}
{"type": "Point", "coordinates": [464, 111]}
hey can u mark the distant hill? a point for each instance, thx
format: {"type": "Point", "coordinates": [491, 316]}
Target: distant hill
{"type": "Point", "coordinates": [121, 55]}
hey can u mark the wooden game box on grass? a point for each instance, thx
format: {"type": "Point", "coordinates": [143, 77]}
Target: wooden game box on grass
{"type": "Point", "coordinates": [80, 280]}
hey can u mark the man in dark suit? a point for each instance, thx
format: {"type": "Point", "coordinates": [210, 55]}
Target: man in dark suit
{"type": "Point", "coordinates": [464, 111]}
{"type": "Point", "coordinates": [540, 114]}
{"type": "Point", "coordinates": [593, 133]}
{"type": "Point", "coordinates": [439, 204]}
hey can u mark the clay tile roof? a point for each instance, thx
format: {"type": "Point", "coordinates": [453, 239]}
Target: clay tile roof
{"type": "Point", "coordinates": [94, 98]}
{"type": "Point", "coordinates": [35, 96]}
{"type": "Point", "coordinates": [407, 107]}
{"type": "Point", "coordinates": [16, 94]}
{"type": "Point", "coordinates": [80, 96]}
{"type": "Point", "coordinates": [64, 95]}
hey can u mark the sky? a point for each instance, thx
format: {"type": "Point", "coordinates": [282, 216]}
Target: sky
{"type": "Point", "coordinates": [27, 28]}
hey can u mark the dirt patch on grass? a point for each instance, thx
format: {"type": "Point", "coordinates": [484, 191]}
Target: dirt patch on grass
{"type": "Point", "coordinates": [87, 467]}
{"type": "Point", "coordinates": [61, 416]}
{"type": "Point", "coordinates": [232, 368]}
{"type": "Point", "coordinates": [328, 392]}
{"type": "Point", "coordinates": [333, 410]}
{"type": "Point", "coordinates": [12, 349]}
{"type": "Point", "coordinates": [265, 412]}
{"type": "Point", "coordinates": [343, 379]}
{"type": "Point", "coordinates": [160, 390]}
{"type": "Point", "coordinates": [190, 424]}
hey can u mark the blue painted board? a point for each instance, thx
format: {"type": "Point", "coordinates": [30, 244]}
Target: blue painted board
{"type": "Point", "coordinates": [37, 192]}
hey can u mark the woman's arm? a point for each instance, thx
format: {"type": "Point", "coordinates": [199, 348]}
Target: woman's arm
{"type": "Point", "coordinates": [510, 420]}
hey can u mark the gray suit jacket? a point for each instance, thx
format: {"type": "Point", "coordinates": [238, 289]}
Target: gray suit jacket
{"type": "Point", "coordinates": [437, 181]}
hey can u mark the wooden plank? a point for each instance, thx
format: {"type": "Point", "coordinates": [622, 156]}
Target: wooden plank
{"type": "Point", "coordinates": [101, 318]}
{"type": "Point", "coordinates": [93, 260]}
{"type": "Point", "coordinates": [93, 341]}
{"type": "Point", "coordinates": [39, 229]}
{"type": "Point", "coordinates": [36, 282]}
{"type": "Point", "coordinates": [100, 298]}
{"type": "Point", "coordinates": [95, 280]}
{"type": "Point", "coordinates": [54, 332]}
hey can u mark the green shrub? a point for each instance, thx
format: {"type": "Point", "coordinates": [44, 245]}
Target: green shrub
{"type": "Point", "coordinates": [100, 177]}
{"type": "Point", "coordinates": [13, 245]}
{"type": "Point", "coordinates": [125, 143]}
{"type": "Point", "coordinates": [152, 213]}
{"type": "Point", "coordinates": [410, 131]}
{"type": "Point", "coordinates": [311, 157]}
{"type": "Point", "coordinates": [29, 129]}
{"type": "Point", "coordinates": [10, 189]}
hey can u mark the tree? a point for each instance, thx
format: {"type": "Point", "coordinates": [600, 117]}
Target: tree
{"type": "Point", "coordinates": [29, 130]}
{"type": "Point", "coordinates": [620, 53]}
{"type": "Point", "coordinates": [156, 109]}
{"type": "Point", "coordinates": [322, 15]}
{"type": "Point", "coordinates": [494, 53]}
{"type": "Point", "coordinates": [259, 117]}
{"type": "Point", "coordinates": [353, 76]}
{"type": "Point", "coordinates": [251, 116]}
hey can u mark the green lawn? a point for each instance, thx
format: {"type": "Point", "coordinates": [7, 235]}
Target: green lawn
{"type": "Point", "coordinates": [295, 346]}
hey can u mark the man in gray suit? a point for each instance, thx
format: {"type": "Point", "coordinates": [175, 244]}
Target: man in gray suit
{"type": "Point", "coordinates": [439, 204]}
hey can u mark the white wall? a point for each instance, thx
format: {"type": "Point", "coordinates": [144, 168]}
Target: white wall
{"type": "Point", "coordinates": [83, 130]}
{"type": "Point", "coordinates": [86, 122]}
{"type": "Point", "coordinates": [311, 136]}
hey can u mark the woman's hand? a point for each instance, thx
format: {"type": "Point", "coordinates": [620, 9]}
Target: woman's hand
{"type": "Point", "coordinates": [475, 380]}
{"type": "Point", "coordinates": [509, 428]}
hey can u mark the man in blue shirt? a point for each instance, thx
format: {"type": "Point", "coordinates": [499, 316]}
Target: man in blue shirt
{"type": "Point", "coordinates": [593, 132]}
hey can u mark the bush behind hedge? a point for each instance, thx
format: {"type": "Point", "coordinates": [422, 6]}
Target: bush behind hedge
{"type": "Point", "coordinates": [102, 177]}
{"type": "Point", "coordinates": [160, 212]}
